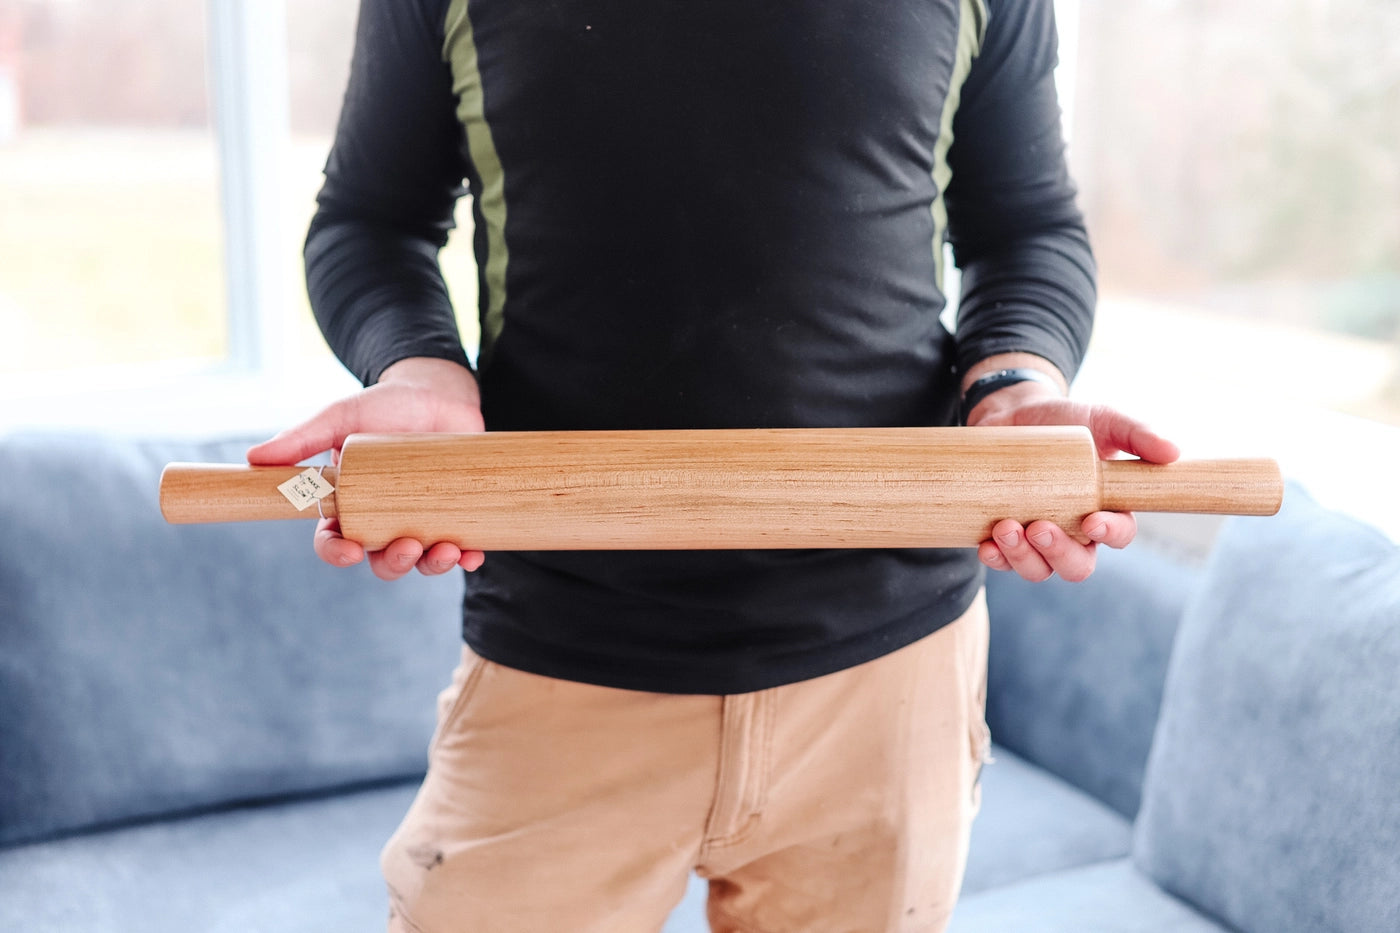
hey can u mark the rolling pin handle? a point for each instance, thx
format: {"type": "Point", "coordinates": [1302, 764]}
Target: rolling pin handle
{"type": "Point", "coordinates": [1213, 487]}
{"type": "Point", "coordinates": [191, 493]}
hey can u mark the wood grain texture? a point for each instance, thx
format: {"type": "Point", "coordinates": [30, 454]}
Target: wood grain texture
{"type": "Point", "coordinates": [1211, 487]}
{"type": "Point", "coordinates": [782, 488]}
{"type": "Point", "coordinates": [705, 489]}
{"type": "Point", "coordinates": [192, 493]}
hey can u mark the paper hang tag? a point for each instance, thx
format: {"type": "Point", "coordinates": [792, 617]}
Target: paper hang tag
{"type": "Point", "coordinates": [306, 488]}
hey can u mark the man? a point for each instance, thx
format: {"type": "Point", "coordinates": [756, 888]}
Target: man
{"type": "Point", "coordinates": [704, 215]}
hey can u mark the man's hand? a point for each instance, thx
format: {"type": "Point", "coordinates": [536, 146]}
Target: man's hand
{"type": "Point", "coordinates": [413, 395]}
{"type": "Point", "coordinates": [1042, 549]}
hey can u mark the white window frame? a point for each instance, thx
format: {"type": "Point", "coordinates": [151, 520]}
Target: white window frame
{"type": "Point", "coordinates": [247, 53]}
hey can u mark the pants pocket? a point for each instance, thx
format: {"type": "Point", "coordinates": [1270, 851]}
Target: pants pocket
{"type": "Point", "coordinates": [453, 701]}
{"type": "Point", "coordinates": [978, 732]}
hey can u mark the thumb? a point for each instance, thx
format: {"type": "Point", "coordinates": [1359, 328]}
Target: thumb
{"type": "Point", "coordinates": [326, 430]}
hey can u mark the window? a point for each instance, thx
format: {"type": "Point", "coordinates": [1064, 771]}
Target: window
{"type": "Point", "coordinates": [1239, 165]}
{"type": "Point", "coordinates": [110, 231]}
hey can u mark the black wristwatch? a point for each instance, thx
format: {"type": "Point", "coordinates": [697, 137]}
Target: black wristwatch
{"type": "Point", "coordinates": [984, 386]}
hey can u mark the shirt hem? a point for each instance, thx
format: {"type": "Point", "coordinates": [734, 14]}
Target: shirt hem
{"type": "Point", "coordinates": [677, 676]}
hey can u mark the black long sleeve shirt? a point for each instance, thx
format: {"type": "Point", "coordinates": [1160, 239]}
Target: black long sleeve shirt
{"type": "Point", "coordinates": [705, 214]}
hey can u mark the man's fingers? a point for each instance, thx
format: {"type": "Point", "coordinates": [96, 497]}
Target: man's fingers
{"type": "Point", "coordinates": [989, 554]}
{"type": "Point", "coordinates": [397, 559]}
{"type": "Point", "coordinates": [1017, 552]}
{"type": "Point", "coordinates": [1114, 431]}
{"type": "Point", "coordinates": [324, 431]}
{"type": "Point", "coordinates": [1042, 549]}
{"type": "Point", "coordinates": [443, 556]}
{"type": "Point", "coordinates": [1114, 529]}
{"type": "Point", "coordinates": [334, 549]}
{"type": "Point", "coordinates": [439, 559]}
{"type": "Point", "coordinates": [1072, 561]}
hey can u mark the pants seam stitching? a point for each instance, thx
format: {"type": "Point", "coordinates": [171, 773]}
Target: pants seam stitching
{"type": "Point", "coordinates": [459, 704]}
{"type": "Point", "coordinates": [764, 760]}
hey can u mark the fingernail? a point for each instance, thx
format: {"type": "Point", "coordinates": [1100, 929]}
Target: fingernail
{"type": "Point", "coordinates": [345, 560]}
{"type": "Point", "coordinates": [1044, 539]}
{"type": "Point", "coordinates": [403, 562]}
{"type": "Point", "coordinates": [442, 566]}
{"type": "Point", "coordinates": [1097, 531]}
{"type": "Point", "coordinates": [1010, 539]}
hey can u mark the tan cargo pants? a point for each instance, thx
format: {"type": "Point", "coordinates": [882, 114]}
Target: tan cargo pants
{"type": "Point", "coordinates": [841, 803]}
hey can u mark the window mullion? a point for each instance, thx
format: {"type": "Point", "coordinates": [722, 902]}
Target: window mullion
{"type": "Point", "coordinates": [249, 87]}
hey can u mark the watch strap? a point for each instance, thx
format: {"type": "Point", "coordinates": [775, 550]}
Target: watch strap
{"type": "Point", "coordinates": [984, 386]}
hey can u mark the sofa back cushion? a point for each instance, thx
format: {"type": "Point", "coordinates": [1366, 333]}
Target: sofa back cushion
{"type": "Point", "coordinates": [1272, 798]}
{"type": "Point", "coordinates": [147, 669]}
{"type": "Point", "coordinates": [1076, 669]}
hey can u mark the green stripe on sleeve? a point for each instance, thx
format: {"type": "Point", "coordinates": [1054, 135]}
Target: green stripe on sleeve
{"type": "Point", "coordinates": [459, 51]}
{"type": "Point", "coordinates": [972, 26]}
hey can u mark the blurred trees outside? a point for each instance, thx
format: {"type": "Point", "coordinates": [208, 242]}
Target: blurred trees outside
{"type": "Point", "coordinates": [129, 62]}
{"type": "Point", "coordinates": [1246, 155]}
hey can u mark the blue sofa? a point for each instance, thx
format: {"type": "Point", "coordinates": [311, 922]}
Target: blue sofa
{"type": "Point", "coordinates": [203, 729]}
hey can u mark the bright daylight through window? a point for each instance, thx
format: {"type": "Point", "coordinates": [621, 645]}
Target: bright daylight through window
{"type": "Point", "coordinates": [109, 208]}
{"type": "Point", "coordinates": [1240, 167]}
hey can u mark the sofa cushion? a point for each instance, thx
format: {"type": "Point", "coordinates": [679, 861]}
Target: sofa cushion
{"type": "Point", "coordinates": [310, 866]}
{"type": "Point", "coordinates": [1111, 897]}
{"type": "Point", "coordinates": [147, 668]}
{"type": "Point", "coordinates": [1076, 669]}
{"type": "Point", "coordinates": [1273, 791]}
{"type": "Point", "coordinates": [1033, 823]}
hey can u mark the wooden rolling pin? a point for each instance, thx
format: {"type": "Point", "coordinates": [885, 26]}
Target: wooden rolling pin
{"type": "Point", "coordinates": [787, 488]}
